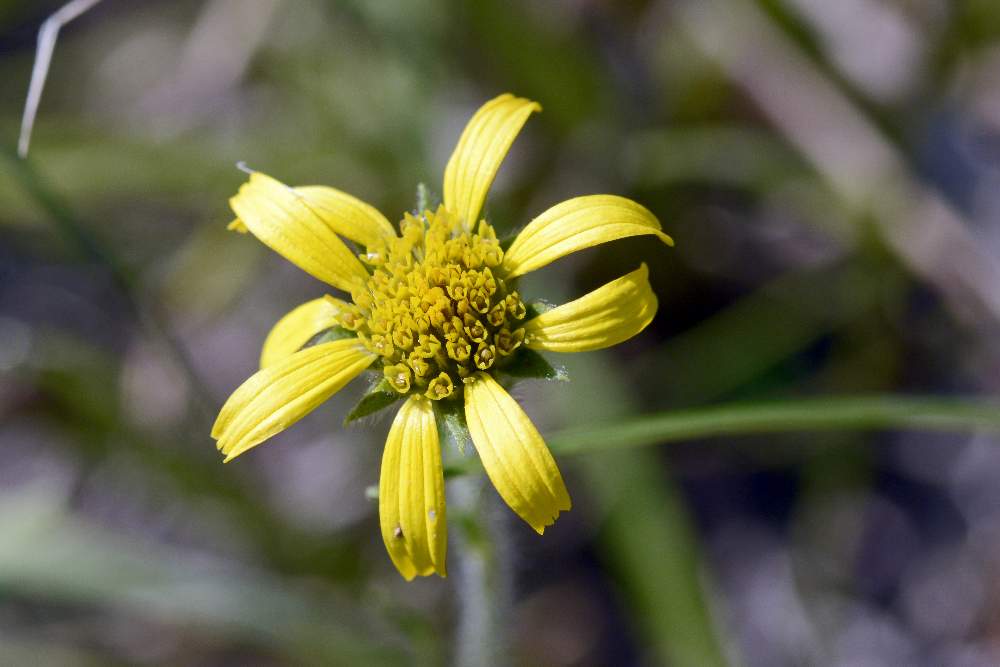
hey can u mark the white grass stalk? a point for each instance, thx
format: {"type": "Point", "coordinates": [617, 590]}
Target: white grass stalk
{"type": "Point", "coordinates": [47, 36]}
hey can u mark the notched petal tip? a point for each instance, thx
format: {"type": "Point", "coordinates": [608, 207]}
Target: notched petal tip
{"type": "Point", "coordinates": [507, 99]}
{"type": "Point", "coordinates": [412, 511]}
{"type": "Point", "coordinates": [283, 221]}
{"type": "Point", "coordinates": [481, 149]}
{"type": "Point", "coordinates": [562, 504]}
{"type": "Point", "coordinates": [514, 454]}
{"type": "Point", "coordinates": [576, 224]}
{"type": "Point", "coordinates": [274, 398]}
{"type": "Point", "coordinates": [298, 327]}
{"type": "Point", "coordinates": [347, 215]}
{"type": "Point", "coordinates": [609, 315]}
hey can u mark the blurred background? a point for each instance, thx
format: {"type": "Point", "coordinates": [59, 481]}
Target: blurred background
{"type": "Point", "coordinates": [829, 170]}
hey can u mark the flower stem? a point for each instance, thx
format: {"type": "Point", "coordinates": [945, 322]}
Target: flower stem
{"type": "Point", "coordinates": [484, 579]}
{"type": "Point", "coordinates": [851, 413]}
{"type": "Point", "coordinates": [835, 413]}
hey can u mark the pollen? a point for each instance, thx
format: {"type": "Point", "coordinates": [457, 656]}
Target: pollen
{"type": "Point", "coordinates": [436, 309]}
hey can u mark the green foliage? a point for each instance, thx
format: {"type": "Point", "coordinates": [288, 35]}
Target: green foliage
{"type": "Point", "coordinates": [380, 396]}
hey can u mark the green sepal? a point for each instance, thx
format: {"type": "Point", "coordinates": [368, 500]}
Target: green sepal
{"type": "Point", "coordinates": [330, 335]}
{"type": "Point", "coordinates": [536, 308]}
{"type": "Point", "coordinates": [525, 363]}
{"type": "Point", "coordinates": [378, 397]}
{"type": "Point", "coordinates": [454, 432]}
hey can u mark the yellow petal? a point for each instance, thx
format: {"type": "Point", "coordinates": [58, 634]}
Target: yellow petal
{"type": "Point", "coordinates": [477, 157]}
{"type": "Point", "coordinates": [607, 316]}
{"type": "Point", "coordinates": [513, 453]}
{"type": "Point", "coordinates": [276, 397]}
{"type": "Point", "coordinates": [282, 220]}
{"type": "Point", "coordinates": [348, 216]}
{"type": "Point", "coordinates": [411, 505]}
{"type": "Point", "coordinates": [576, 224]}
{"type": "Point", "coordinates": [298, 327]}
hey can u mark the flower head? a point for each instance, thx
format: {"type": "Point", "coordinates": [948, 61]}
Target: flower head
{"type": "Point", "coordinates": [436, 314]}
{"type": "Point", "coordinates": [432, 310]}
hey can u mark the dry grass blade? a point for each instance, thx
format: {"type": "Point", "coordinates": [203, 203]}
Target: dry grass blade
{"type": "Point", "coordinates": [47, 36]}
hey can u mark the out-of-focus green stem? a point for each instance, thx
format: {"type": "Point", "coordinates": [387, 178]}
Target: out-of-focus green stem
{"type": "Point", "coordinates": [822, 414]}
{"type": "Point", "coordinates": [483, 580]}
{"type": "Point", "coordinates": [857, 413]}
{"type": "Point", "coordinates": [94, 249]}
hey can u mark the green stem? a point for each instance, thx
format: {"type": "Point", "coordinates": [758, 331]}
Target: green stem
{"type": "Point", "coordinates": [484, 578]}
{"type": "Point", "coordinates": [822, 414]}
{"type": "Point", "coordinates": [855, 413]}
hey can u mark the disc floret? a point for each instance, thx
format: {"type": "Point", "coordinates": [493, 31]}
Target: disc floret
{"type": "Point", "coordinates": [436, 308]}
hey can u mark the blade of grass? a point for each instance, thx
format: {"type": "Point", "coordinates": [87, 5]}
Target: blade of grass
{"type": "Point", "coordinates": [853, 413]}
{"type": "Point", "coordinates": [47, 36]}
{"type": "Point", "coordinates": [648, 537]}
{"type": "Point", "coordinates": [885, 412]}
{"type": "Point", "coordinates": [647, 540]}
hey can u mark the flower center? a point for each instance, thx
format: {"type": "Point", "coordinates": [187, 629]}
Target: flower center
{"type": "Point", "coordinates": [434, 310]}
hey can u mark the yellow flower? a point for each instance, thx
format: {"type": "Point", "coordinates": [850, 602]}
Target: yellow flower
{"type": "Point", "coordinates": [434, 311]}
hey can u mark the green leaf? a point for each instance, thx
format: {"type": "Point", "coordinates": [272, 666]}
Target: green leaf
{"type": "Point", "coordinates": [378, 397]}
{"type": "Point", "coordinates": [527, 363]}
